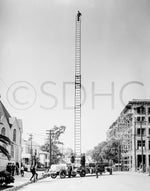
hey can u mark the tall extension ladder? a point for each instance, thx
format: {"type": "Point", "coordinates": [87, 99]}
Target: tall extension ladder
{"type": "Point", "coordinates": [77, 106]}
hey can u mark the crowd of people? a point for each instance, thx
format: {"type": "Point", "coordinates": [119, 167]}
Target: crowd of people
{"type": "Point", "coordinates": [13, 168]}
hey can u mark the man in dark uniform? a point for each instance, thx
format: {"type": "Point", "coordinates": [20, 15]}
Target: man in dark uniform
{"type": "Point", "coordinates": [97, 168]}
{"type": "Point", "coordinates": [9, 168]}
{"type": "Point", "coordinates": [78, 16]}
{"type": "Point", "coordinates": [69, 171]}
{"type": "Point", "coordinates": [13, 169]}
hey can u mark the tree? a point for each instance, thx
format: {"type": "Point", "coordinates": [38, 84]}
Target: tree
{"type": "Point", "coordinates": [106, 151]}
{"type": "Point", "coordinates": [56, 132]}
{"type": "Point", "coordinates": [6, 141]}
{"type": "Point", "coordinates": [110, 150]}
{"type": "Point", "coordinates": [55, 151]}
{"type": "Point", "coordinates": [97, 152]}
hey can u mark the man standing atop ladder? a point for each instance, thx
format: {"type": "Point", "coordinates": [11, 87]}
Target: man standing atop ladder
{"type": "Point", "coordinates": [77, 104]}
{"type": "Point", "coordinates": [78, 16]}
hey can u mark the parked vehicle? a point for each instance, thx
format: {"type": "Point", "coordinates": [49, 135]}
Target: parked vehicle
{"type": "Point", "coordinates": [6, 178]}
{"type": "Point", "coordinates": [58, 169]}
{"type": "Point", "coordinates": [82, 171]}
{"type": "Point", "coordinates": [62, 170]}
{"type": "Point", "coordinates": [55, 170]}
{"type": "Point", "coordinates": [103, 168]}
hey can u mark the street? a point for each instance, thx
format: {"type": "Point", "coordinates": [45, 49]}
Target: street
{"type": "Point", "coordinates": [116, 182]}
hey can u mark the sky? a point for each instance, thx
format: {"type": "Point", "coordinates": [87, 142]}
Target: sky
{"type": "Point", "coordinates": [37, 62]}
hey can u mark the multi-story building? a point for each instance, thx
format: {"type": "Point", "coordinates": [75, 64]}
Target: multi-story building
{"type": "Point", "coordinates": [12, 128]}
{"type": "Point", "coordinates": [132, 130]}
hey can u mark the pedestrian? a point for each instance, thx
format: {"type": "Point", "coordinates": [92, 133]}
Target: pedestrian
{"type": "Point", "coordinates": [22, 171]}
{"type": "Point", "coordinates": [17, 168]}
{"type": "Point", "coordinates": [13, 169]}
{"type": "Point", "coordinates": [69, 171]}
{"type": "Point", "coordinates": [34, 173]}
{"type": "Point", "coordinates": [97, 170]}
{"type": "Point", "coordinates": [9, 168]}
{"type": "Point", "coordinates": [140, 167]}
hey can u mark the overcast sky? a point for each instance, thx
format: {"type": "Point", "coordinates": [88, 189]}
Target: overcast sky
{"type": "Point", "coordinates": [37, 48]}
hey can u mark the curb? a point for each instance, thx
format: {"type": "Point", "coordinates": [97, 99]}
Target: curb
{"type": "Point", "coordinates": [22, 185]}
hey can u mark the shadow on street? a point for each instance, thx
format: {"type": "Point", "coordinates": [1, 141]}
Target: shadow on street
{"type": "Point", "coordinates": [3, 187]}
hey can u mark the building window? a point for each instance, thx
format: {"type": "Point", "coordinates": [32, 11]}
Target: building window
{"type": "Point", "coordinates": [149, 131]}
{"type": "Point", "coordinates": [149, 145]}
{"type": "Point", "coordinates": [141, 110]}
{"type": "Point", "coordinates": [148, 110]}
{"type": "Point", "coordinates": [143, 119]}
{"type": "Point", "coordinates": [139, 131]}
{"type": "Point", "coordinates": [14, 135]}
{"type": "Point", "coordinates": [140, 119]}
{"type": "Point", "coordinates": [3, 131]}
{"type": "Point", "coordinates": [139, 145]}
{"type": "Point", "coordinates": [12, 151]}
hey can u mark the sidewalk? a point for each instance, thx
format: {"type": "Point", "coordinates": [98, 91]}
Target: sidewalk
{"type": "Point", "coordinates": [132, 173]}
{"type": "Point", "coordinates": [22, 181]}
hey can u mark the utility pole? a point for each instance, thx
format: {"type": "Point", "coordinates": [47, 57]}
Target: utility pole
{"type": "Point", "coordinates": [50, 146]}
{"type": "Point", "coordinates": [31, 150]}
